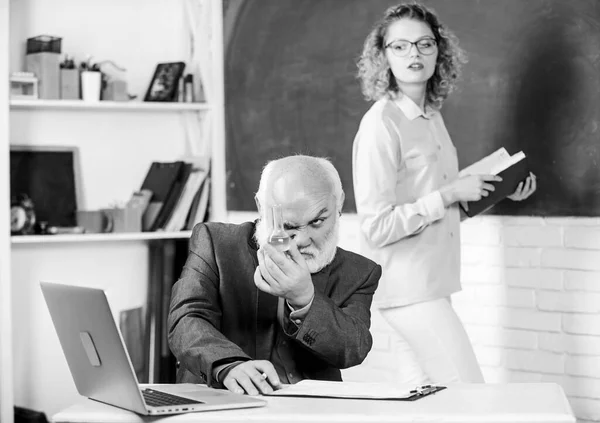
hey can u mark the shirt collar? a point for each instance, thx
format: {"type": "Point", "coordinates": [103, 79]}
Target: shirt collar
{"type": "Point", "coordinates": [410, 108]}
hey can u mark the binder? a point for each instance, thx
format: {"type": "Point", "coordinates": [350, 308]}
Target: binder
{"type": "Point", "coordinates": [165, 213]}
{"type": "Point", "coordinates": [159, 180]}
{"type": "Point", "coordinates": [177, 220]}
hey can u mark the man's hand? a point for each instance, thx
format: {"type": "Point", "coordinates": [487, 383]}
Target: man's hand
{"type": "Point", "coordinates": [252, 377]}
{"type": "Point", "coordinates": [284, 274]}
{"type": "Point", "coordinates": [524, 189]}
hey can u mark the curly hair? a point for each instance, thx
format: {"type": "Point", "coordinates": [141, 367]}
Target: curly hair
{"type": "Point", "coordinates": [374, 71]}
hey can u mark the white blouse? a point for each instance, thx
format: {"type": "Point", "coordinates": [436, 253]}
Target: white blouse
{"type": "Point", "coordinates": [401, 157]}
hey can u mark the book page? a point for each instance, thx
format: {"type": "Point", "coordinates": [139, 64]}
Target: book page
{"type": "Point", "coordinates": [505, 164]}
{"type": "Point", "coordinates": [369, 390]}
{"type": "Point", "coordinates": [486, 165]}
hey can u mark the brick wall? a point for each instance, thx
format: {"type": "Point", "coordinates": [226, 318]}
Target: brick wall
{"type": "Point", "coordinates": [530, 303]}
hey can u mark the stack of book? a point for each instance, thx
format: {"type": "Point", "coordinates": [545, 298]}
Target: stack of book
{"type": "Point", "coordinates": [180, 193]}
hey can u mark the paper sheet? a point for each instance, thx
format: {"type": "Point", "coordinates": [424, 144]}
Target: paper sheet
{"type": "Point", "coordinates": [493, 164]}
{"type": "Point", "coordinates": [367, 390]}
{"type": "Point", "coordinates": [505, 164]}
{"type": "Point", "coordinates": [485, 165]}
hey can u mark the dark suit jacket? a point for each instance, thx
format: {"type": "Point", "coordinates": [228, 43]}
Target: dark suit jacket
{"type": "Point", "coordinates": [218, 315]}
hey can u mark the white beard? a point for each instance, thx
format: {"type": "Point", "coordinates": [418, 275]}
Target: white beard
{"type": "Point", "coordinates": [317, 259]}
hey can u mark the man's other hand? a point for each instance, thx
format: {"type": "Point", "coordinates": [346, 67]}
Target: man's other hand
{"type": "Point", "coordinates": [253, 378]}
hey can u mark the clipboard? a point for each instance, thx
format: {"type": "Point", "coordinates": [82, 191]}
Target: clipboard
{"type": "Point", "coordinates": [356, 390]}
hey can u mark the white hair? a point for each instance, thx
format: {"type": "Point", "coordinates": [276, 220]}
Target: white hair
{"type": "Point", "coordinates": [319, 167]}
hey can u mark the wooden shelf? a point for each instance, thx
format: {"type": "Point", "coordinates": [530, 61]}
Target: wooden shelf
{"type": "Point", "coordinates": [109, 237]}
{"type": "Point", "coordinates": [108, 105]}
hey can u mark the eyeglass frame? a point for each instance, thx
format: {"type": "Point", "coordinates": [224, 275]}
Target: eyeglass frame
{"type": "Point", "coordinates": [435, 43]}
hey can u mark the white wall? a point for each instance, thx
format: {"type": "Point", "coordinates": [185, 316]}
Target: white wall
{"type": "Point", "coordinates": [530, 303]}
{"type": "Point", "coordinates": [116, 147]}
{"type": "Point", "coordinates": [136, 34]}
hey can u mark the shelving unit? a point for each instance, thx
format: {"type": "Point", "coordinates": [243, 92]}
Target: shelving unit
{"type": "Point", "coordinates": [108, 105]}
{"type": "Point", "coordinates": [107, 237]}
{"type": "Point", "coordinates": [113, 258]}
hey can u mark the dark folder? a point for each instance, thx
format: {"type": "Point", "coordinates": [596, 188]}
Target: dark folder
{"type": "Point", "coordinates": [171, 201]}
{"type": "Point", "coordinates": [511, 177]}
{"type": "Point", "coordinates": [159, 179]}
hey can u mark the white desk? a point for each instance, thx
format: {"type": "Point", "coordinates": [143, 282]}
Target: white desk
{"type": "Point", "coordinates": [492, 403]}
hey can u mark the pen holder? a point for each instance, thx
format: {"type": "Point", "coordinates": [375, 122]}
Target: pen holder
{"type": "Point", "coordinates": [91, 82]}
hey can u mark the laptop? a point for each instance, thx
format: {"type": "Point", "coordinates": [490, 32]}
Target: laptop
{"type": "Point", "coordinates": [101, 367]}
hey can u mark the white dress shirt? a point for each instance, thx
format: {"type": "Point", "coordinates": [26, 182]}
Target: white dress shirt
{"type": "Point", "coordinates": [401, 157]}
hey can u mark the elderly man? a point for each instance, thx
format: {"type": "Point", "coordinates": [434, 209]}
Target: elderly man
{"type": "Point", "coordinates": [248, 316]}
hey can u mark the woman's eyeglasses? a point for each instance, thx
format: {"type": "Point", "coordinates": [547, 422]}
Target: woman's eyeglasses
{"type": "Point", "coordinates": [401, 48]}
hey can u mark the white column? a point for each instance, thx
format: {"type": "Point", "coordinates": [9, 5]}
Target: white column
{"type": "Point", "coordinates": [6, 374]}
{"type": "Point", "coordinates": [219, 174]}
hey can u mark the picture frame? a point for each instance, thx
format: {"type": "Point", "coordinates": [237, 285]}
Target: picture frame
{"type": "Point", "coordinates": [51, 176]}
{"type": "Point", "coordinates": [165, 82]}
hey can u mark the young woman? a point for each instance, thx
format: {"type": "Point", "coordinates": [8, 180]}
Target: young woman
{"type": "Point", "coordinates": [407, 188]}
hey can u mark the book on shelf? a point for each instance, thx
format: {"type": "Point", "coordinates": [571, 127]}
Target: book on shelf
{"type": "Point", "coordinates": [199, 208]}
{"type": "Point", "coordinates": [159, 180]}
{"type": "Point", "coordinates": [172, 198]}
{"type": "Point", "coordinates": [512, 169]}
{"type": "Point", "coordinates": [180, 188]}
{"type": "Point", "coordinates": [177, 221]}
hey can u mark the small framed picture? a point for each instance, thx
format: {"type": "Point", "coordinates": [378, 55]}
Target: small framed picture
{"type": "Point", "coordinates": [165, 82]}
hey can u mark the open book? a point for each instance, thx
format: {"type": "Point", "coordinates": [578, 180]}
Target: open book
{"type": "Point", "coordinates": [512, 169]}
{"type": "Point", "coordinates": [356, 390]}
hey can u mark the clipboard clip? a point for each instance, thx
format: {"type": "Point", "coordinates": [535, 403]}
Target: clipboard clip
{"type": "Point", "coordinates": [424, 390]}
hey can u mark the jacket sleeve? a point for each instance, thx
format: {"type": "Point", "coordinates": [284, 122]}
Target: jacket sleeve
{"type": "Point", "coordinates": [194, 320]}
{"type": "Point", "coordinates": [376, 164]}
{"type": "Point", "coordinates": [338, 334]}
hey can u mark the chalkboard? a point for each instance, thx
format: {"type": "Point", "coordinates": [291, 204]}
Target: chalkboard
{"type": "Point", "coordinates": [49, 176]}
{"type": "Point", "coordinates": [532, 83]}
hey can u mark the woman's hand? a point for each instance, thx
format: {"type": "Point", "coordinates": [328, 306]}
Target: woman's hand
{"type": "Point", "coordinates": [468, 188]}
{"type": "Point", "coordinates": [524, 189]}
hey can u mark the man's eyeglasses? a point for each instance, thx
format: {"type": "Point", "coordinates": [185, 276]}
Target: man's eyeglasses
{"type": "Point", "coordinates": [401, 48]}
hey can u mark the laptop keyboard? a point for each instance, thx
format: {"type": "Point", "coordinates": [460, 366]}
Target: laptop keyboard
{"type": "Point", "coordinates": [162, 399]}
